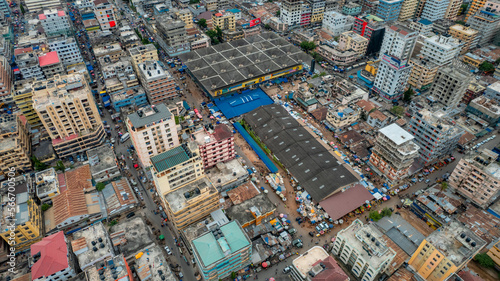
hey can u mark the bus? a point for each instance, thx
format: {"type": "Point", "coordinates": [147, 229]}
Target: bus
{"type": "Point", "coordinates": [125, 137]}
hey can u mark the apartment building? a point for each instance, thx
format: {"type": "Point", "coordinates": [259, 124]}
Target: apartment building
{"type": "Point", "coordinates": [51, 65]}
{"type": "Point", "coordinates": [337, 57]}
{"type": "Point", "coordinates": [153, 131]}
{"type": "Point", "coordinates": [143, 53]}
{"type": "Point", "coordinates": [494, 253]}
{"type": "Point", "coordinates": [51, 259]}
{"type": "Point", "coordinates": [67, 109]}
{"type": "Point", "coordinates": [394, 69]}
{"type": "Point", "coordinates": [473, 91]}
{"type": "Point", "coordinates": [445, 251]}
{"type": "Point", "coordinates": [47, 184]}
{"type": "Point", "coordinates": [157, 81]}
{"type": "Point", "coordinates": [186, 16]}
{"type": "Point", "coordinates": [15, 145]}
{"type": "Point", "coordinates": [372, 28]}
{"type": "Point", "coordinates": [172, 36]}
{"type": "Point", "coordinates": [474, 6]}
{"type": "Point", "coordinates": [352, 9]}
{"type": "Point", "coordinates": [118, 76]}
{"type": "Point", "coordinates": [352, 41]}
{"type": "Point", "coordinates": [215, 145]}
{"type": "Point", "coordinates": [435, 9]}
{"type": "Point", "coordinates": [67, 49]}
{"type": "Point", "coordinates": [105, 15]}
{"type": "Point", "coordinates": [317, 10]}
{"type": "Point", "coordinates": [453, 9]}
{"type": "Point", "coordinates": [486, 21]}
{"type": "Point", "coordinates": [5, 81]}
{"type": "Point", "coordinates": [342, 116]}
{"type": "Point", "coordinates": [4, 8]}
{"type": "Point", "coordinates": [28, 65]}
{"type": "Point", "coordinates": [38, 5]}
{"type": "Point", "coordinates": [450, 84]}
{"type": "Point", "coordinates": [290, 12]}
{"type": "Point", "coordinates": [477, 178]}
{"type": "Point", "coordinates": [493, 91]}
{"type": "Point", "coordinates": [23, 97]}
{"type": "Point", "coordinates": [224, 20]}
{"type": "Point", "coordinates": [222, 250]}
{"type": "Point", "coordinates": [108, 53]}
{"type": "Point", "coordinates": [467, 36]}
{"type": "Point", "coordinates": [337, 23]}
{"type": "Point", "coordinates": [176, 167]}
{"type": "Point", "coordinates": [408, 10]}
{"type": "Point", "coordinates": [442, 26]}
{"type": "Point", "coordinates": [422, 73]}
{"type": "Point", "coordinates": [441, 49]}
{"type": "Point", "coordinates": [318, 262]}
{"type": "Point", "coordinates": [25, 221]}
{"type": "Point", "coordinates": [394, 152]}
{"type": "Point", "coordinates": [191, 202]}
{"type": "Point", "coordinates": [55, 22]}
{"type": "Point", "coordinates": [362, 248]}
{"type": "Point", "coordinates": [389, 10]}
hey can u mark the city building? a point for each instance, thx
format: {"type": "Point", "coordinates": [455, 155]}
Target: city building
{"type": "Point", "coordinates": [477, 177]}
{"type": "Point", "coordinates": [434, 9]}
{"type": "Point", "coordinates": [363, 249]}
{"type": "Point", "coordinates": [113, 268]}
{"type": "Point", "coordinates": [317, 264]}
{"type": "Point", "coordinates": [47, 184]}
{"type": "Point", "coordinates": [394, 152]}
{"type": "Point", "coordinates": [6, 96]}
{"type": "Point", "coordinates": [143, 53]}
{"type": "Point", "coordinates": [290, 12]}
{"type": "Point", "coordinates": [222, 250]}
{"type": "Point", "coordinates": [4, 8]}
{"type": "Point", "coordinates": [474, 6]}
{"type": "Point", "coordinates": [394, 69]}
{"type": "Point", "coordinates": [342, 116]}
{"type": "Point", "coordinates": [486, 21]}
{"type": "Point", "coordinates": [389, 10]}
{"type": "Point", "coordinates": [105, 15]}
{"type": "Point", "coordinates": [67, 49]}
{"type": "Point", "coordinates": [215, 145]}
{"type": "Point", "coordinates": [224, 20]}
{"type": "Point", "coordinates": [191, 202]}
{"type": "Point", "coordinates": [472, 59]}
{"type": "Point", "coordinates": [28, 65]}
{"type": "Point", "coordinates": [422, 73]}
{"type": "Point", "coordinates": [135, 97]}
{"type": "Point", "coordinates": [51, 259]}
{"type": "Point", "coordinates": [15, 144]}
{"type": "Point", "coordinates": [118, 75]}
{"type": "Point", "coordinates": [55, 22]}
{"type": "Point", "coordinates": [228, 175]}
{"type": "Point", "coordinates": [372, 28]}
{"type": "Point", "coordinates": [166, 167]}
{"type": "Point", "coordinates": [473, 91]}
{"type": "Point", "coordinates": [450, 84]}
{"type": "Point", "coordinates": [317, 10]}
{"type": "Point", "coordinates": [440, 49]}
{"type": "Point", "coordinates": [38, 5]}
{"type": "Point", "coordinates": [453, 9]}
{"type": "Point", "coordinates": [51, 65]}
{"type": "Point", "coordinates": [186, 16]}
{"type": "Point", "coordinates": [155, 258]}
{"type": "Point", "coordinates": [408, 10]}
{"type": "Point", "coordinates": [422, 26]}
{"type": "Point", "coordinates": [352, 41]}
{"type": "Point", "coordinates": [107, 53]}
{"type": "Point", "coordinates": [119, 198]}
{"type": "Point", "coordinates": [337, 57]}
{"type": "Point", "coordinates": [23, 97]}
{"type": "Point", "coordinates": [67, 109]}
{"type": "Point", "coordinates": [103, 164]}
{"type": "Point", "coordinates": [467, 36]}
{"type": "Point", "coordinates": [25, 221]}
{"type": "Point", "coordinates": [445, 251]}
{"type": "Point", "coordinates": [352, 9]}
{"type": "Point", "coordinates": [442, 26]}
{"type": "Point", "coordinates": [157, 81]}
{"type": "Point", "coordinates": [231, 35]}
{"type": "Point", "coordinates": [337, 23]}
{"type": "Point", "coordinates": [494, 253]}
{"type": "Point", "coordinates": [493, 91]}
{"type": "Point", "coordinates": [153, 131]}
{"type": "Point", "coordinates": [91, 246]}
{"type": "Point", "coordinates": [172, 36]}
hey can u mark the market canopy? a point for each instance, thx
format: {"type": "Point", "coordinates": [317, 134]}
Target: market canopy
{"type": "Point", "coordinates": [342, 203]}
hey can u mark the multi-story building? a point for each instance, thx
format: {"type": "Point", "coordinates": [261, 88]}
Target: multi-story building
{"type": "Point", "coordinates": [422, 73]}
{"type": "Point", "coordinates": [157, 81]}
{"type": "Point", "coordinates": [450, 84]}
{"type": "Point", "coordinates": [394, 69]}
{"type": "Point", "coordinates": [493, 91]}
{"type": "Point", "coordinates": [172, 36]}
{"type": "Point", "coordinates": [352, 41]}
{"type": "Point", "coordinates": [445, 251]}
{"type": "Point", "coordinates": [363, 250]}
{"type": "Point", "coordinates": [108, 53]}
{"type": "Point", "coordinates": [37, 5]}
{"type": "Point", "coordinates": [318, 262]}
{"type": "Point", "coordinates": [389, 10]}
{"type": "Point", "coordinates": [342, 116]}
{"type": "Point", "coordinates": [372, 28]}
{"type": "Point", "coordinates": [51, 259]}
{"type": "Point", "coordinates": [118, 76]}
{"type": "Point", "coordinates": [186, 16]}
{"type": "Point", "coordinates": [394, 152]}
{"type": "Point", "coordinates": [468, 36]}
{"type": "Point", "coordinates": [51, 65]}
{"type": "Point", "coordinates": [5, 81]}
{"type": "Point", "coordinates": [440, 49]}
{"type": "Point", "coordinates": [23, 224]}
{"type": "Point", "coordinates": [67, 49]}
{"type": "Point", "coordinates": [55, 22]}
{"type": "Point", "coordinates": [4, 8]}
{"type": "Point", "coordinates": [224, 20]}
{"type": "Point", "coordinates": [153, 131]}
{"type": "Point", "coordinates": [422, 26]}
{"type": "Point", "coordinates": [453, 9]}
{"type": "Point", "coordinates": [143, 53]}
{"type": "Point", "coordinates": [487, 22]}
{"type": "Point", "coordinates": [435, 9]}
{"type": "Point", "coordinates": [191, 202]}
{"type": "Point", "coordinates": [105, 15]}
{"type": "Point", "coordinates": [23, 97]}
{"type": "Point", "coordinates": [15, 145]}
{"type": "Point", "coordinates": [47, 184]}
{"type": "Point", "coordinates": [337, 23]}
{"type": "Point", "coordinates": [435, 133]}
{"type": "Point", "coordinates": [408, 10]}
{"type": "Point", "coordinates": [473, 91]}
{"type": "Point", "coordinates": [317, 10]}
{"type": "Point", "coordinates": [338, 57]}
{"type": "Point", "coordinates": [352, 9]}
{"type": "Point", "coordinates": [486, 109]}
{"type": "Point", "coordinates": [305, 14]}
{"type": "Point", "coordinates": [29, 66]}
{"type": "Point", "coordinates": [474, 6]}
{"type": "Point", "coordinates": [88, 254]}
{"type": "Point", "coordinates": [215, 145]}
{"type": "Point", "coordinates": [222, 250]}
{"type": "Point", "coordinates": [290, 12]}
{"type": "Point", "coordinates": [103, 164]}
{"type": "Point", "coordinates": [68, 112]}
{"type": "Point", "coordinates": [442, 26]}
{"type": "Point", "coordinates": [494, 253]}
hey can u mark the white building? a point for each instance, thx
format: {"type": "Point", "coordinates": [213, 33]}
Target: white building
{"type": "Point", "coordinates": [290, 12]}
{"type": "Point", "coordinates": [435, 9]}
{"type": "Point", "coordinates": [83, 4]}
{"type": "Point", "coordinates": [67, 49]}
{"type": "Point", "coordinates": [337, 23]}
{"type": "Point", "coordinates": [37, 5]}
{"type": "Point", "coordinates": [394, 69]}
{"type": "Point", "coordinates": [422, 26]}
{"type": "Point", "coordinates": [104, 14]}
{"type": "Point", "coordinates": [493, 91]}
{"type": "Point", "coordinates": [316, 263]}
{"type": "Point", "coordinates": [54, 22]}
{"type": "Point", "coordinates": [441, 49]}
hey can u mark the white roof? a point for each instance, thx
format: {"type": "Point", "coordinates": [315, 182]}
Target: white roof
{"type": "Point", "coordinates": [396, 134]}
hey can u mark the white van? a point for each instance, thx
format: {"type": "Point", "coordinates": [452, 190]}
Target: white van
{"type": "Point", "coordinates": [125, 137]}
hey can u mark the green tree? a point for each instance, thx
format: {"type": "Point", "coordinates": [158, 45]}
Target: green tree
{"type": "Point", "coordinates": [408, 94]}
{"type": "Point", "coordinates": [386, 212]}
{"type": "Point", "coordinates": [375, 216]}
{"type": "Point", "coordinates": [22, 8]}
{"type": "Point", "coordinates": [45, 207]}
{"type": "Point", "coordinates": [484, 260]}
{"type": "Point", "coordinates": [145, 41]}
{"type": "Point", "coordinates": [194, 1]}
{"type": "Point", "coordinates": [336, 38]}
{"type": "Point", "coordinates": [443, 187]}
{"type": "Point", "coordinates": [461, 22]}
{"type": "Point", "coordinates": [278, 13]}
{"type": "Point", "coordinates": [233, 275]}
{"type": "Point", "coordinates": [113, 222]}
{"type": "Point", "coordinates": [398, 110]}
{"type": "Point", "coordinates": [100, 186]}
{"type": "Point", "coordinates": [39, 166]}
{"type": "Point", "coordinates": [316, 56]}
{"type": "Point", "coordinates": [486, 66]}
{"type": "Point", "coordinates": [307, 46]}
{"type": "Point", "coordinates": [202, 23]}
{"type": "Point", "coordinates": [219, 33]}
{"type": "Point", "coordinates": [138, 34]}
{"type": "Point", "coordinates": [267, 26]}
{"type": "Point", "coordinates": [60, 166]}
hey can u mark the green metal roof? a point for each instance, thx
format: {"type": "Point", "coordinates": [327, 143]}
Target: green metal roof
{"type": "Point", "coordinates": [306, 103]}
{"type": "Point", "coordinates": [169, 159]}
{"type": "Point", "coordinates": [211, 250]}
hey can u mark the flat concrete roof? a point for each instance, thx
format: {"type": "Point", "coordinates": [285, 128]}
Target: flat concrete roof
{"type": "Point", "coordinates": [397, 134]}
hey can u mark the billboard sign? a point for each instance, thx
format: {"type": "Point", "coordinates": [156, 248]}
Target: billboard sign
{"type": "Point", "coordinates": [254, 22]}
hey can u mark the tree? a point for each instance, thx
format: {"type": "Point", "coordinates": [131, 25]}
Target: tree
{"type": "Point", "coordinates": [408, 94]}
{"type": "Point", "coordinates": [22, 8]}
{"type": "Point", "coordinates": [45, 207]}
{"type": "Point", "coordinates": [363, 115]}
{"type": "Point", "coordinates": [60, 166]}
{"type": "Point", "coordinates": [386, 212]}
{"type": "Point", "coordinates": [219, 33]}
{"type": "Point", "coordinates": [398, 110]}
{"type": "Point", "coordinates": [145, 41]}
{"type": "Point", "coordinates": [278, 13]}
{"type": "Point", "coordinates": [307, 46]}
{"type": "Point", "coordinates": [486, 66]}
{"type": "Point", "coordinates": [194, 1]}
{"type": "Point", "coordinates": [316, 56]}
{"type": "Point", "coordinates": [484, 260]}
{"type": "Point", "coordinates": [461, 22]}
{"type": "Point", "coordinates": [233, 275]}
{"type": "Point", "coordinates": [113, 222]}
{"type": "Point", "coordinates": [39, 166]}
{"type": "Point", "coordinates": [138, 33]}
{"type": "Point", "coordinates": [100, 186]}
{"type": "Point", "coordinates": [444, 186]}
{"type": "Point", "coordinates": [202, 23]}
{"type": "Point", "coordinates": [267, 26]}
{"type": "Point", "coordinates": [375, 216]}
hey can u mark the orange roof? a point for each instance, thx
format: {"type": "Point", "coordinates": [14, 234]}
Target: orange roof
{"type": "Point", "coordinates": [401, 122]}
{"type": "Point", "coordinates": [367, 106]}
{"type": "Point", "coordinates": [78, 244]}
{"type": "Point", "coordinates": [377, 114]}
{"type": "Point", "coordinates": [80, 178]}
{"type": "Point", "coordinates": [70, 203]}
{"type": "Point", "coordinates": [218, 15]}
{"type": "Point", "coordinates": [42, 17]}
{"type": "Point", "coordinates": [48, 59]}
{"type": "Point", "coordinates": [242, 193]}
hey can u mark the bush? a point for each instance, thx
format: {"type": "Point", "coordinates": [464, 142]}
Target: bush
{"type": "Point", "coordinates": [113, 222]}
{"type": "Point", "coordinates": [45, 207]}
{"type": "Point", "coordinates": [386, 212]}
{"type": "Point", "coordinates": [398, 110]}
{"type": "Point", "coordinates": [375, 216]}
{"type": "Point", "coordinates": [100, 186]}
{"type": "Point", "coordinates": [484, 260]}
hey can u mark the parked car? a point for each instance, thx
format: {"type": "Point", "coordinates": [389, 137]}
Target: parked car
{"type": "Point", "coordinates": [292, 231]}
{"type": "Point", "coordinates": [167, 249]}
{"type": "Point", "coordinates": [297, 243]}
{"type": "Point", "coordinates": [287, 269]}
{"type": "Point", "coordinates": [130, 215]}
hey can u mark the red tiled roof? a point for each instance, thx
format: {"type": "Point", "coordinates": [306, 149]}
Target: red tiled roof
{"type": "Point", "coordinates": [218, 15]}
{"type": "Point", "coordinates": [22, 51]}
{"type": "Point", "coordinates": [342, 203]}
{"type": "Point", "coordinates": [42, 17]}
{"type": "Point", "coordinates": [222, 132]}
{"type": "Point", "coordinates": [48, 59]}
{"type": "Point", "coordinates": [468, 276]}
{"type": "Point", "coordinates": [367, 106]}
{"type": "Point", "coordinates": [332, 272]}
{"type": "Point", "coordinates": [53, 251]}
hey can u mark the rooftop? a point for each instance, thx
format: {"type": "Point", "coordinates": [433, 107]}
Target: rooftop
{"type": "Point", "coordinates": [22, 214]}
{"type": "Point", "coordinates": [130, 236]}
{"type": "Point", "coordinates": [463, 29]}
{"type": "Point", "coordinates": [481, 222]}
{"type": "Point", "coordinates": [142, 49]}
{"type": "Point", "coordinates": [425, 22]}
{"type": "Point", "coordinates": [111, 269]}
{"type": "Point", "coordinates": [118, 196]}
{"type": "Point", "coordinates": [305, 262]}
{"type": "Point", "coordinates": [153, 70]}
{"type": "Point", "coordinates": [195, 230]}
{"type": "Point", "coordinates": [225, 173]}
{"type": "Point", "coordinates": [173, 157]}
{"type": "Point", "coordinates": [101, 159]}
{"type": "Point", "coordinates": [46, 182]}
{"type": "Point", "coordinates": [401, 232]}
{"type": "Point", "coordinates": [244, 211]}
{"type": "Point", "coordinates": [488, 104]}
{"type": "Point", "coordinates": [8, 125]}
{"type": "Point", "coordinates": [180, 198]}
{"type": "Point", "coordinates": [485, 161]}
{"type": "Point", "coordinates": [148, 115]}
{"type": "Point", "coordinates": [219, 133]}
{"type": "Point", "coordinates": [59, 89]}
{"type": "Point", "coordinates": [100, 51]}
{"type": "Point", "coordinates": [49, 256]}
{"type": "Point", "coordinates": [49, 59]}
{"type": "Point", "coordinates": [397, 134]}
{"type": "Point", "coordinates": [150, 264]}
{"type": "Point", "coordinates": [91, 245]}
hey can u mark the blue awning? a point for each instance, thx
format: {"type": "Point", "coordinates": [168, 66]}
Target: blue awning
{"type": "Point", "coordinates": [177, 88]}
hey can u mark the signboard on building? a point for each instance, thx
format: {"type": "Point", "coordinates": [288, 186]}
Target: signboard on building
{"type": "Point", "coordinates": [254, 22]}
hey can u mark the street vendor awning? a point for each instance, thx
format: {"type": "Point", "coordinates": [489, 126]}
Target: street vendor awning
{"type": "Point", "coordinates": [341, 204]}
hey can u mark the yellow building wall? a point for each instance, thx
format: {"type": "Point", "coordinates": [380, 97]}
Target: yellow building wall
{"type": "Point", "coordinates": [429, 262]}
{"type": "Point", "coordinates": [28, 233]}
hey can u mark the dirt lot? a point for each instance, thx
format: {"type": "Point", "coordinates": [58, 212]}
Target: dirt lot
{"type": "Point", "coordinates": [486, 274]}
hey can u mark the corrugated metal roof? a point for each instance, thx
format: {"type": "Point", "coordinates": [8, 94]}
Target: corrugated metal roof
{"type": "Point", "coordinates": [169, 159]}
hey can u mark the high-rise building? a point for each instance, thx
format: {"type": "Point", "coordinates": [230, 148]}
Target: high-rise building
{"type": "Point", "coordinates": [290, 12]}
{"type": "Point", "coordinates": [222, 250]}
{"type": "Point", "coordinates": [453, 9]}
{"type": "Point", "coordinates": [468, 36]}
{"type": "Point", "coordinates": [337, 23]}
{"type": "Point", "coordinates": [422, 73]}
{"type": "Point", "coordinates": [476, 178]}
{"type": "Point", "coordinates": [23, 97]}
{"type": "Point", "coordinates": [394, 152]}
{"type": "Point", "coordinates": [394, 69]}
{"type": "Point", "coordinates": [224, 20]}
{"type": "Point", "coordinates": [473, 91]}
{"type": "Point", "coordinates": [29, 66]}
{"type": "Point", "coordinates": [67, 49]}
{"type": "Point", "coordinates": [143, 53]}
{"type": "Point", "coordinates": [408, 10]}
{"type": "Point", "coordinates": [486, 21]}
{"type": "Point", "coordinates": [5, 81]}
{"type": "Point", "coordinates": [389, 10]}
{"type": "Point", "coordinates": [474, 6]}
{"type": "Point", "coordinates": [450, 84]}
{"type": "Point", "coordinates": [15, 145]}
{"type": "Point", "coordinates": [215, 145]}
{"type": "Point", "coordinates": [172, 36]}
{"type": "Point", "coordinates": [445, 251]}
{"type": "Point", "coordinates": [153, 131]}
{"type": "Point", "coordinates": [352, 41]}
{"type": "Point", "coordinates": [435, 9]}
{"type": "Point", "coordinates": [157, 81]}
{"type": "Point", "coordinates": [55, 22]}
{"type": "Point", "coordinates": [440, 49]}
{"type": "Point", "coordinates": [68, 112]}
{"type": "Point", "coordinates": [52, 259]}
{"type": "Point", "coordinates": [5, 8]}
{"type": "Point", "coordinates": [317, 10]}
{"type": "Point", "coordinates": [186, 16]}
{"type": "Point", "coordinates": [37, 5]}
{"type": "Point", "coordinates": [372, 28]}
{"type": "Point", "coordinates": [422, 26]}
{"type": "Point", "coordinates": [105, 15]}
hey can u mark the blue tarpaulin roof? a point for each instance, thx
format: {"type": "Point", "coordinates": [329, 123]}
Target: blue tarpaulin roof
{"type": "Point", "coordinates": [177, 88]}
{"type": "Point", "coordinates": [186, 106]}
{"type": "Point", "coordinates": [270, 165]}
{"type": "Point", "coordinates": [242, 103]}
